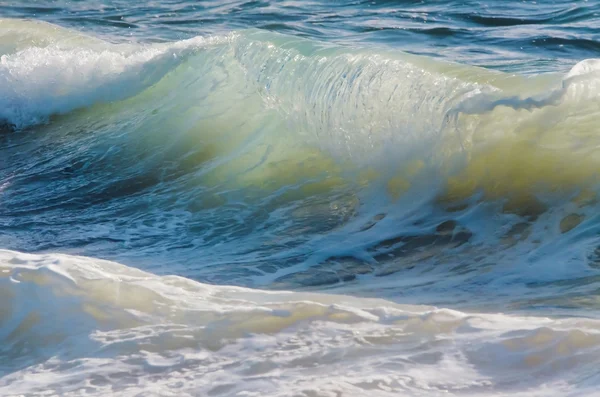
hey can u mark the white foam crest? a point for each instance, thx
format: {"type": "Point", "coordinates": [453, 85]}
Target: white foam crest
{"type": "Point", "coordinates": [60, 75]}
{"type": "Point", "coordinates": [80, 326]}
{"type": "Point", "coordinates": [582, 83]}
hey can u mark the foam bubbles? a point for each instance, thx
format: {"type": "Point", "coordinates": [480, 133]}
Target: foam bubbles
{"type": "Point", "coordinates": [81, 326]}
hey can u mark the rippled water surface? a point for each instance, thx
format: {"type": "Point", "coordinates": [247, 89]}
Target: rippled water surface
{"type": "Point", "coordinates": [516, 36]}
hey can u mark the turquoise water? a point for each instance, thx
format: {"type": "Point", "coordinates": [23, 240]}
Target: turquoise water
{"type": "Point", "coordinates": [299, 198]}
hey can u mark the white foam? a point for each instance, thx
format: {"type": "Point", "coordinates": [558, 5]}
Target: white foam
{"type": "Point", "coordinates": [581, 83]}
{"type": "Point", "coordinates": [80, 326]}
{"type": "Point", "coordinates": [65, 71]}
{"type": "Point", "coordinates": [584, 67]}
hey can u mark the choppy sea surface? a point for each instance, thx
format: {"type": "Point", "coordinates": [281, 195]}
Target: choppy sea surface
{"type": "Point", "coordinates": [299, 198]}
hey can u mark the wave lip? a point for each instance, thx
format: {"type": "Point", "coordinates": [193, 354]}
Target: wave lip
{"type": "Point", "coordinates": [99, 327]}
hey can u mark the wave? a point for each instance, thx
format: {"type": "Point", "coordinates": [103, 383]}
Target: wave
{"type": "Point", "coordinates": [81, 326]}
{"type": "Point", "coordinates": [261, 159]}
{"type": "Point", "coordinates": [361, 106]}
{"type": "Point", "coordinates": [47, 70]}
{"type": "Point", "coordinates": [291, 154]}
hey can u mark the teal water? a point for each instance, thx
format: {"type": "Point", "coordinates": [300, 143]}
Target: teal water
{"type": "Point", "coordinates": [299, 198]}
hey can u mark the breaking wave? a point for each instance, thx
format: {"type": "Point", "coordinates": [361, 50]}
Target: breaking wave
{"type": "Point", "coordinates": [79, 326]}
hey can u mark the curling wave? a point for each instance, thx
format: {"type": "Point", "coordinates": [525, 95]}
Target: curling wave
{"type": "Point", "coordinates": [296, 152]}
{"type": "Point", "coordinates": [294, 98]}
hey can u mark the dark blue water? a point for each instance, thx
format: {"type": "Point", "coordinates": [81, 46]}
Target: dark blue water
{"type": "Point", "coordinates": [516, 36]}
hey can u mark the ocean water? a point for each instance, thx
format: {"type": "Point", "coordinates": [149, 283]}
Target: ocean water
{"type": "Point", "coordinates": [299, 198]}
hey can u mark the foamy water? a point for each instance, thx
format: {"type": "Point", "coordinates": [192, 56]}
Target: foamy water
{"type": "Point", "coordinates": [79, 326]}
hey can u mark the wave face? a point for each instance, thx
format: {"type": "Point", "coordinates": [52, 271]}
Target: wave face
{"type": "Point", "coordinates": [274, 155]}
{"type": "Point", "coordinates": [78, 326]}
{"type": "Point", "coordinates": [355, 176]}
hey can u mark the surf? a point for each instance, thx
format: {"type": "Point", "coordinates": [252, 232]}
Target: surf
{"type": "Point", "coordinates": [368, 148]}
{"type": "Point", "coordinates": [300, 189]}
{"type": "Point", "coordinates": [100, 327]}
